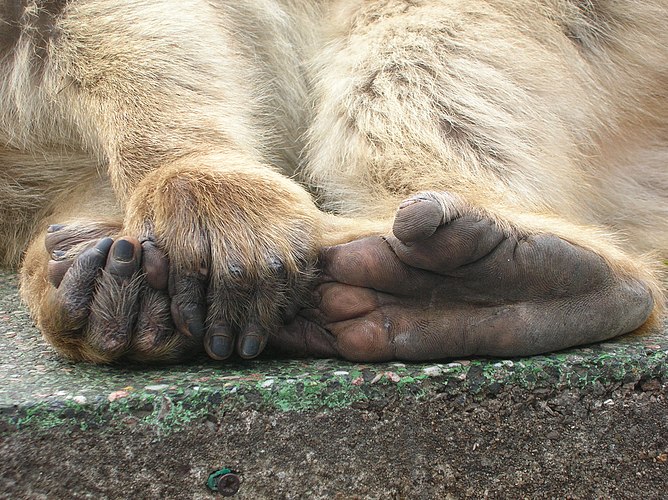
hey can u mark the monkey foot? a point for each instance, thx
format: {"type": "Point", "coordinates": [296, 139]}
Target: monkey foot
{"type": "Point", "coordinates": [452, 282]}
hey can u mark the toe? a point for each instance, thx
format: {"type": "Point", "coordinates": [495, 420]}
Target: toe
{"type": "Point", "coordinates": [417, 219]}
{"type": "Point", "coordinates": [460, 242]}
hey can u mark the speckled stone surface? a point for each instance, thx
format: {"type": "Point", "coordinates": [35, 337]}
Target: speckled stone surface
{"type": "Point", "coordinates": [44, 391]}
{"type": "Point", "coordinates": [42, 395]}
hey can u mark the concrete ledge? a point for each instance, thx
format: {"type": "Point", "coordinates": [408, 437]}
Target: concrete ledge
{"type": "Point", "coordinates": [588, 422]}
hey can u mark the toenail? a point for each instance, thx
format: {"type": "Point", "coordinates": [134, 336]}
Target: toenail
{"type": "Point", "coordinates": [124, 251]}
{"type": "Point", "coordinates": [54, 227]}
{"type": "Point", "coordinates": [408, 203]}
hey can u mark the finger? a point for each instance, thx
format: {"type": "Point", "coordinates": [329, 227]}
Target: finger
{"type": "Point", "coordinates": [302, 337]}
{"type": "Point", "coordinates": [371, 263]}
{"type": "Point", "coordinates": [187, 291]}
{"type": "Point", "coordinates": [458, 243]}
{"type": "Point", "coordinates": [56, 269]}
{"type": "Point", "coordinates": [219, 341]}
{"type": "Point", "coordinates": [124, 259]}
{"type": "Point", "coordinates": [114, 309]}
{"type": "Point", "coordinates": [277, 290]}
{"type": "Point", "coordinates": [65, 236]}
{"type": "Point", "coordinates": [62, 260]}
{"type": "Point", "coordinates": [75, 293]}
{"type": "Point", "coordinates": [242, 315]}
{"type": "Point", "coordinates": [228, 300]}
{"type": "Point", "coordinates": [154, 321]}
{"type": "Point", "coordinates": [252, 340]}
{"type": "Point", "coordinates": [58, 237]}
{"type": "Point", "coordinates": [156, 266]}
{"type": "Point", "coordinates": [155, 338]}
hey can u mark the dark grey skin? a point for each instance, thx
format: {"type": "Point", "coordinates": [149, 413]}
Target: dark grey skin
{"type": "Point", "coordinates": [429, 291]}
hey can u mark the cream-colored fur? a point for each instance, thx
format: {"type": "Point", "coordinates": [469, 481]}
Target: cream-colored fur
{"type": "Point", "coordinates": [551, 116]}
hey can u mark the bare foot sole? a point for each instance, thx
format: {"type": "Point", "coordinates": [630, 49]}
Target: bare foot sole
{"type": "Point", "coordinates": [452, 283]}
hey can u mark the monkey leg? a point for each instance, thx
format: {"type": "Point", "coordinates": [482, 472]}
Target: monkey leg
{"type": "Point", "coordinates": [191, 142]}
{"type": "Point", "coordinates": [428, 98]}
{"type": "Point", "coordinates": [454, 281]}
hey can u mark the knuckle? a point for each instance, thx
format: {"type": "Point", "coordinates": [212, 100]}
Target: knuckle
{"type": "Point", "coordinates": [277, 267]}
{"type": "Point", "coordinates": [236, 271]}
{"type": "Point", "coordinates": [72, 309]}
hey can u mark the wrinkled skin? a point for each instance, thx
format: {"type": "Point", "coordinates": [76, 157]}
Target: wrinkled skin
{"type": "Point", "coordinates": [434, 289]}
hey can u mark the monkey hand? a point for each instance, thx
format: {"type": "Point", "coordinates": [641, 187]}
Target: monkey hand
{"type": "Point", "coordinates": [101, 297]}
{"type": "Point", "coordinates": [205, 258]}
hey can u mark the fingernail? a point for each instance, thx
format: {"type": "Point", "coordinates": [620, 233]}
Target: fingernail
{"type": "Point", "coordinates": [196, 328]}
{"type": "Point", "coordinates": [104, 245]}
{"type": "Point", "coordinates": [54, 227]}
{"type": "Point", "coordinates": [250, 346]}
{"type": "Point", "coordinates": [124, 251]}
{"type": "Point", "coordinates": [221, 346]}
{"type": "Point", "coordinates": [58, 254]}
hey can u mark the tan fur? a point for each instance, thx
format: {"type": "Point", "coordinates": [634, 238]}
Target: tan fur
{"type": "Point", "coordinates": [551, 116]}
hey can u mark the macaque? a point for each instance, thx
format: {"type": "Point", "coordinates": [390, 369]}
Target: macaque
{"type": "Point", "coordinates": [366, 179]}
